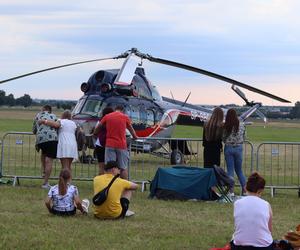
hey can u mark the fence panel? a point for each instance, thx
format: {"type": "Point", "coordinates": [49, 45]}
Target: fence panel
{"type": "Point", "coordinates": [279, 162]}
{"type": "Point", "coordinates": [20, 158]}
{"type": "Point", "coordinates": [145, 160]}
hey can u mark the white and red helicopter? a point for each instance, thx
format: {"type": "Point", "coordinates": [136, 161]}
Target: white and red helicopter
{"type": "Point", "coordinates": [152, 115]}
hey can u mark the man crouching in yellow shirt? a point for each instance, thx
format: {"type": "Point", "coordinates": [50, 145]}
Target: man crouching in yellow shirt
{"type": "Point", "coordinates": [117, 202]}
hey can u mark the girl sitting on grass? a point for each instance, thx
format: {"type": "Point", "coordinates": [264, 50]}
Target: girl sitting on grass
{"type": "Point", "coordinates": [253, 218]}
{"type": "Point", "coordinates": [63, 198]}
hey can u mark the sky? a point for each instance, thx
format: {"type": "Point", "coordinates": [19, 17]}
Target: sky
{"type": "Point", "coordinates": [253, 41]}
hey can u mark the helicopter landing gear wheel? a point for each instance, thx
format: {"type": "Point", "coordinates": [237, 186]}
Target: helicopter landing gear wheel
{"type": "Point", "coordinates": [176, 157]}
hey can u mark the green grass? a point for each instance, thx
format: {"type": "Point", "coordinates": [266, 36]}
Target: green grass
{"type": "Point", "coordinates": [26, 224]}
{"type": "Point", "coordinates": [19, 125]}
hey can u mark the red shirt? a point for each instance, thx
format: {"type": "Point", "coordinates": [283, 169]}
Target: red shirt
{"type": "Point", "coordinates": [116, 124]}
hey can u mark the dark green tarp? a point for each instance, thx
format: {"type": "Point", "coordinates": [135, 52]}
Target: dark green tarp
{"type": "Point", "coordinates": [183, 183]}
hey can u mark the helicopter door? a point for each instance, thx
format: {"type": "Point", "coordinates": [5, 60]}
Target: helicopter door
{"type": "Point", "coordinates": [127, 71]}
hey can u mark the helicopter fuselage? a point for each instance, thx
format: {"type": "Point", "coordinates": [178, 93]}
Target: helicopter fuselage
{"type": "Point", "coordinates": [151, 114]}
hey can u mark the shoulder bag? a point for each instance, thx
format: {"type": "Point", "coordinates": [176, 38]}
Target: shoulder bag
{"type": "Point", "coordinates": [101, 196]}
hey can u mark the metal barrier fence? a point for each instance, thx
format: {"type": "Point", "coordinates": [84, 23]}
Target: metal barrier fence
{"type": "Point", "coordinates": [279, 162]}
{"type": "Point", "coordinates": [145, 160]}
{"type": "Point", "coordinates": [19, 158]}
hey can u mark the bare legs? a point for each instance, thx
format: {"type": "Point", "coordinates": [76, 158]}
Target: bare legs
{"type": "Point", "coordinates": [48, 168]}
{"type": "Point", "coordinates": [66, 163]}
{"type": "Point", "coordinates": [43, 162]}
{"type": "Point", "coordinates": [127, 194]}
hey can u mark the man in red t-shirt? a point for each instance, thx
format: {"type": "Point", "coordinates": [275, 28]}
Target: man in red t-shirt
{"type": "Point", "coordinates": [116, 124]}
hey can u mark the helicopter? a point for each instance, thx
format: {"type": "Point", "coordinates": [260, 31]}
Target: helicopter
{"type": "Point", "coordinates": [152, 115]}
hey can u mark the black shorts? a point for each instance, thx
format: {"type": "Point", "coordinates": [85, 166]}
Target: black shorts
{"type": "Point", "coordinates": [63, 213]}
{"type": "Point", "coordinates": [235, 247]}
{"type": "Point", "coordinates": [49, 148]}
{"type": "Point", "coordinates": [100, 153]}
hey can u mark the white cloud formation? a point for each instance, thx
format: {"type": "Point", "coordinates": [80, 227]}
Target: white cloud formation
{"type": "Point", "coordinates": [236, 38]}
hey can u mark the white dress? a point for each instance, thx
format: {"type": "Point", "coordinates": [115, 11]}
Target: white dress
{"type": "Point", "coordinates": [67, 145]}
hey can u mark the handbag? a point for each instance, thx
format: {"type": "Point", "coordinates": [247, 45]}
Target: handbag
{"type": "Point", "coordinates": [101, 196]}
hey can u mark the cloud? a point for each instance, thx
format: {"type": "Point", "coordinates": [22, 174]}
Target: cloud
{"type": "Point", "coordinates": [247, 40]}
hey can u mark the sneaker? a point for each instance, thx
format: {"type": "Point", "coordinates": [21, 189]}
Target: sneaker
{"type": "Point", "coordinates": [46, 186]}
{"type": "Point", "coordinates": [129, 213]}
{"type": "Point", "coordinates": [231, 194]}
{"type": "Point", "coordinates": [85, 205]}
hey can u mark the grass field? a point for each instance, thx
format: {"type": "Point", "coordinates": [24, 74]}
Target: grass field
{"type": "Point", "coordinates": [26, 224]}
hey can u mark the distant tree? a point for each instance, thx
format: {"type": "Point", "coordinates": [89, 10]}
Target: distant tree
{"type": "Point", "coordinates": [10, 100]}
{"type": "Point", "coordinates": [66, 105]}
{"type": "Point", "coordinates": [24, 100]}
{"type": "Point", "coordinates": [2, 97]}
{"type": "Point", "coordinates": [274, 115]}
{"type": "Point", "coordinates": [295, 112]}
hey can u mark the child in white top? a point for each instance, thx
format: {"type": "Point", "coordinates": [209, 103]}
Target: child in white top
{"type": "Point", "coordinates": [63, 198]}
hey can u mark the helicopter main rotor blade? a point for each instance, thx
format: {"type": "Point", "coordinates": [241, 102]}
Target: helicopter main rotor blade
{"type": "Point", "coordinates": [214, 75]}
{"type": "Point", "coordinates": [56, 67]}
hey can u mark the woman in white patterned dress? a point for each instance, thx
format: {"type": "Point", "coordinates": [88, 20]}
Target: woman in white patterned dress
{"type": "Point", "coordinates": [67, 146]}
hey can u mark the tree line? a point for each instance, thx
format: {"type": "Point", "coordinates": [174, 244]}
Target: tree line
{"type": "Point", "coordinates": [272, 112]}
{"type": "Point", "coordinates": [27, 101]}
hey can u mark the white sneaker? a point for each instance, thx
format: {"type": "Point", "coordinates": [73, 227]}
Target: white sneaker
{"type": "Point", "coordinates": [85, 205]}
{"type": "Point", "coordinates": [129, 213]}
{"type": "Point", "coordinates": [46, 186]}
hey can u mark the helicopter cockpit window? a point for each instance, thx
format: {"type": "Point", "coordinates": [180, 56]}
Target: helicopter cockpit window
{"type": "Point", "coordinates": [143, 116]}
{"type": "Point", "coordinates": [150, 117]}
{"type": "Point", "coordinates": [142, 87]}
{"type": "Point", "coordinates": [78, 107]}
{"type": "Point", "coordinates": [158, 116]}
{"type": "Point", "coordinates": [127, 110]}
{"type": "Point", "coordinates": [156, 96]}
{"type": "Point", "coordinates": [135, 117]}
{"type": "Point", "coordinates": [92, 107]}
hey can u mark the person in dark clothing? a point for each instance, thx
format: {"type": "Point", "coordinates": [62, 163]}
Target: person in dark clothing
{"type": "Point", "coordinates": [212, 138]}
{"type": "Point", "coordinates": [100, 142]}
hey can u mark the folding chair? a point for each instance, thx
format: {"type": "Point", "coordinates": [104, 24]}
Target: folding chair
{"type": "Point", "coordinates": [225, 183]}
